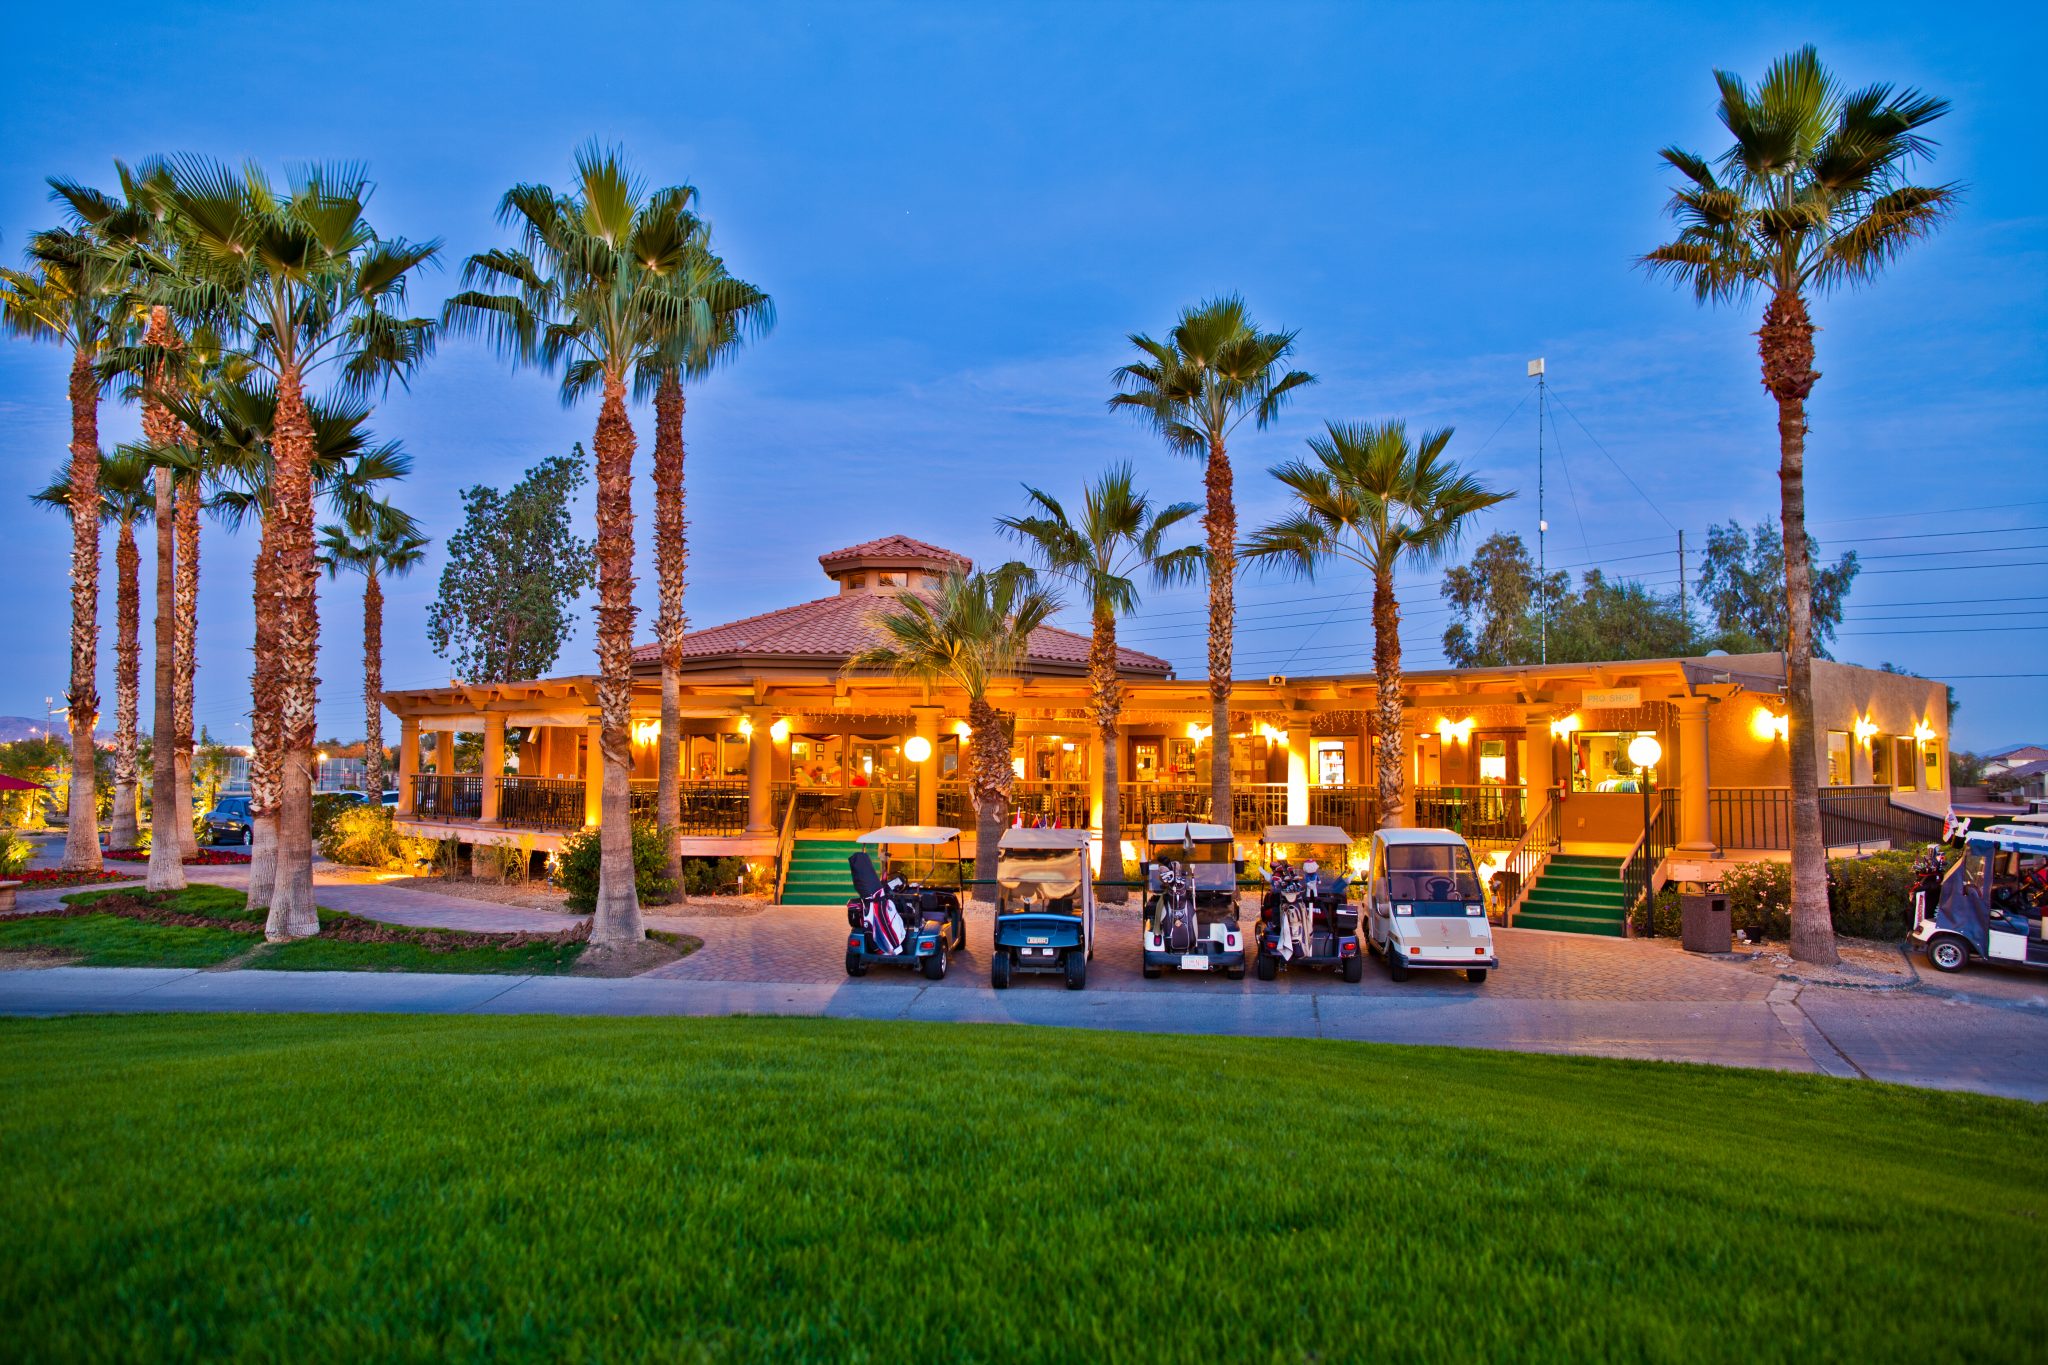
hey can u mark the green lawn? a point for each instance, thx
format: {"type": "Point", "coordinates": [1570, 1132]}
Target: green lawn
{"type": "Point", "coordinates": [588, 1189]}
{"type": "Point", "coordinates": [406, 951]}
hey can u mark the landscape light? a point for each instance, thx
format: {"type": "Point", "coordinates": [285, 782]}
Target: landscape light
{"type": "Point", "coordinates": [917, 748]}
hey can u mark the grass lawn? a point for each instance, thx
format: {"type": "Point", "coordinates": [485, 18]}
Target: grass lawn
{"type": "Point", "coordinates": [597, 1189]}
{"type": "Point", "coordinates": [114, 941]}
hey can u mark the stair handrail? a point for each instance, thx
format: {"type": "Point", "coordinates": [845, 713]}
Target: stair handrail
{"type": "Point", "coordinates": [1540, 839]}
{"type": "Point", "coordinates": [1639, 869]}
{"type": "Point", "coordinates": [785, 843]}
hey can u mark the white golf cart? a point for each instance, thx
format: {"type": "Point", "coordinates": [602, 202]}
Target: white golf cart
{"type": "Point", "coordinates": [1190, 873]}
{"type": "Point", "coordinates": [1992, 903]}
{"type": "Point", "coordinates": [1425, 906]}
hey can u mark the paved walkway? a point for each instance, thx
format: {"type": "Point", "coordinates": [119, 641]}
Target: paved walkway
{"type": "Point", "coordinates": [1985, 1029]}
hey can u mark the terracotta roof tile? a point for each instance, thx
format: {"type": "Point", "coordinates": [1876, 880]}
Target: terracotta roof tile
{"type": "Point", "coordinates": [895, 547]}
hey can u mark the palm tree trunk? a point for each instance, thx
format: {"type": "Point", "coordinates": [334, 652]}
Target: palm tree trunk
{"type": "Point", "coordinates": [166, 851]}
{"type": "Point", "coordinates": [1785, 343]}
{"type": "Point", "coordinates": [126, 832]}
{"type": "Point", "coordinates": [264, 760]}
{"type": "Point", "coordinates": [373, 685]}
{"type": "Point", "coordinates": [187, 656]}
{"type": "Point", "coordinates": [1220, 520]}
{"type": "Point", "coordinates": [992, 775]}
{"type": "Point", "coordinates": [296, 649]}
{"type": "Point", "coordinates": [82, 828]}
{"type": "Point", "coordinates": [1386, 668]}
{"type": "Point", "coordinates": [671, 552]}
{"type": "Point", "coordinates": [616, 921]}
{"type": "Point", "coordinates": [1109, 701]}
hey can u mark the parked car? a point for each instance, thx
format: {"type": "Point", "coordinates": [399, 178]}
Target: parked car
{"type": "Point", "coordinates": [228, 822]}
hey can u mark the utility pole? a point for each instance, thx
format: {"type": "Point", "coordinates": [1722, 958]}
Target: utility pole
{"type": "Point", "coordinates": [1542, 526]}
{"type": "Point", "coordinates": [1681, 574]}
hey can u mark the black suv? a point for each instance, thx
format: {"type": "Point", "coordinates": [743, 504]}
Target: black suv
{"type": "Point", "coordinates": [228, 821]}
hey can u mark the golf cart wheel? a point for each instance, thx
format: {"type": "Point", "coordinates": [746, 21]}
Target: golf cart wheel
{"type": "Point", "coordinates": [935, 966]}
{"type": "Point", "coordinates": [1268, 967]}
{"type": "Point", "coordinates": [999, 970]}
{"type": "Point", "coordinates": [1948, 954]}
{"type": "Point", "coordinates": [854, 966]}
{"type": "Point", "coordinates": [959, 932]}
{"type": "Point", "coordinates": [1354, 968]}
{"type": "Point", "coordinates": [1151, 972]}
{"type": "Point", "coordinates": [1475, 975]}
{"type": "Point", "coordinates": [1077, 969]}
{"type": "Point", "coordinates": [1396, 968]}
{"type": "Point", "coordinates": [1234, 973]}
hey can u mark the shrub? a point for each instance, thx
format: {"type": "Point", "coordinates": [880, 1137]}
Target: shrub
{"type": "Point", "coordinates": [1867, 898]}
{"type": "Point", "coordinates": [362, 836]}
{"type": "Point", "coordinates": [713, 876]}
{"type": "Point", "coordinates": [330, 806]}
{"type": "Point", "coordinates": [15, 852]}
{"type": "Point", "coordinates": [576, 867]}
{"type": "Point", "coordinates": [502, 862]}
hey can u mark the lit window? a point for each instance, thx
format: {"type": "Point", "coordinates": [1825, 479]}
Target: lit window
{"type": "Point", "coordinates": [1881, 762]}
{"type": "Point", "coordinates": [1902, 762]}
{"type": "Point", "coordinates": [1600, 762]}
{"type": "Point", "coordinates": [1930, 763]}
{"type": "Point", "coordinates": [1838, 758]}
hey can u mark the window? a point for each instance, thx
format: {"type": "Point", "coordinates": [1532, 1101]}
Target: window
{"type": "Point", "coordinates": [1902, 762]}
{"type": "Point", "coordinates": [1838, 758]}
{"type": "Point", "coordinates": [1430, 872]}
{"type": "Point", "coordinates": [1330, 763]}
{"type": "Point", "coordinates": [1930, 764]}
{"type": "Point", "coordinates": [855, 580]}
{"type": "Point", "coordinates": [1145, 762]}
{"type": "Point", "coordinates": [1493, 761]}
{"type": "Point", "coordinates": [891, 580]}
{"type": "Point", "coordinates": [1600, 762]}
{"type": "Point", "coordinates": [1881, 761]}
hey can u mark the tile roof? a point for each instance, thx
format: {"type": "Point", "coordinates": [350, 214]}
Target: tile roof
{"type": "Point", "coordinates": [892, 548]}
{"type": "Point", "coordinates": [838, 627]}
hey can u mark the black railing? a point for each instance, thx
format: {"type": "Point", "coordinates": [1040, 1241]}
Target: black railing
{"type": "Point", "coordinates": [1488, 813]}
{"type": "Point", "coordinates": [1540, 838]}
{"type": "Point", "coordinates": [1064, 802]}
{"type": "Point", "coordinates": [1639, 870]}
{"type": "Point", "coordinates": [706, 809]}
{"type": "Point", "coordinates": [451, 796]}
{"type": "Point", "coordinates": [1355, 810]}
{"type": "Point", "coordinates": [540, 803]}
{"type": "Point", "coordinates": [1255, 805]}
{"type": "Point", "coordinates": [1761, 818]}
{"type": "Point", "coordinates": [1155, 803]}
{"type": "Point", "coordinates": [849, 808]}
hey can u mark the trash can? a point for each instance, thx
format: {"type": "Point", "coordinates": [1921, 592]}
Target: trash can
{"type": "Point", "coordinates": [1706, 926]}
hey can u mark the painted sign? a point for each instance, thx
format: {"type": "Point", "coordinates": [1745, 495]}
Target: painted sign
{"type": "Point", "coordinates": [1613, 699]}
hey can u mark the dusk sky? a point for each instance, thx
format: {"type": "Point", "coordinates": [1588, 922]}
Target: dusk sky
{"type": "Point", "coordinates": [961, 211]}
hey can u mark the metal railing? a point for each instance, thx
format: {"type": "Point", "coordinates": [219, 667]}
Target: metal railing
{"type": "Point", "coordinates": [844, 808]}
{"type": "Point", "coordinates": [785, 843]}
{"type": "Point", "coordinates": [450, 796]}
{"type": "Point", "coordinates": [1355, 810]}
{"type": "Point", "coordinates": [541, 802]}
{"type": "Point", "coordinates": [1761, 818]}
{"type": "Point", "coordinates": [1487, 813]}
{"type": "Point", "coordinates": [1064, 802]}
{"type": "Point", "coordinates": [1639, 869]}
{"type": "Point", "coordinates": [1541, 837]}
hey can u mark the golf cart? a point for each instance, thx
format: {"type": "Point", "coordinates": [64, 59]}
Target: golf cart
{"type": "Point", "coordinates": [1306, 918]}
{"type": "Point", "coordinates": [906, 913]}
{"type": "Point", "coordinates": [1045, 906]}
{"type": "Point", "coordinates": [1190, 873]}
{"type": "Point", "coordinates": [1424, 905]}
{"type": "Point", "coordinates": [1993, 902]}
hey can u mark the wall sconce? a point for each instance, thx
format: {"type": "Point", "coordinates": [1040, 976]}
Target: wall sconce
{"type": "Point", "coordinates": [1454, 731]}
{"type": "Point", "coordinates": [1564, 729]}
{"type": "Point", "coordinates": [1273, 734]}
{"type": "Point", "coordinates": [1766, 726]}
{"type": "Point", "coordinates": [963, 729]}
{"type": "Point", "coordinates": [1865, 728]}
{"type": "Point", "coordinates": [779, 731]}
{"type": "Point", "coordinates": [746, 727]}
{"type": "Point", "coordinates": [1923, 732]}
{"type": "Point", "coordinates": [917, 748]}
{"type": "Point", "coordinates": [646, 731]}
{"type": "Point", "coordinates": [1199, 732]}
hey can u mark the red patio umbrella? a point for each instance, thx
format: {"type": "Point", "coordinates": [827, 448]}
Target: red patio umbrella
{"type": "Point", "coordinates": [19, 784]}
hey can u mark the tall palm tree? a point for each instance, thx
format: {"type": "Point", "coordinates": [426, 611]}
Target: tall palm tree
{"type": "Point", "coordinates": [296, 274]}
{"type": "Point", "coordinates": [125, 499]}
{"type": "Point", "coordinates": [1214, 370]}
{"type": "Point", "coordinates": [1118, 537]}
{"type": "Point", "coordinates": [1811, 195]}
{"type": "Point", "coordinates": [1369, 497]}
{"type": "Point", "coordinates": [586, 292]}
{"type": "Point", "coordinates": [375, 540]}
{"type": "Point", "coordinates": [69, 295]}
{"type": "Point", "coordinates": [721, 314]}
{"type": "Point", "coordinates": [973, 629]}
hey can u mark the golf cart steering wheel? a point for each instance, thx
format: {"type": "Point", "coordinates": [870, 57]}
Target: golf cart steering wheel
{"type": "Point", "coordinates": [1440, 888]}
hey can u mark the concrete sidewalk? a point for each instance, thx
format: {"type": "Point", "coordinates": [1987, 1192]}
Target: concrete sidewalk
{"type": "Point", "coordinates": [1936, 1042]}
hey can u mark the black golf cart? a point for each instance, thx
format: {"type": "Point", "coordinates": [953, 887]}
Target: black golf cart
{"type": "Point", "coordinates": [1190, 873]}
{"type": "Point", "coordinates": [1306, 917]}
{"type": "Point", "coordinates": [907, 912]}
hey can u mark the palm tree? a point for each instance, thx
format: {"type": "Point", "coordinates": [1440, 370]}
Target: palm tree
{"type": "Point", "coordinates": [1118, 536]}
{"type": "Point", "coordinates": [299, 277]}
{"type": "Point", "coordinates": [69, 295]}
{"type": "Point", "coordinates": [124, 493]}
{"type": "Point", "coordinates": [375, 540]}
{"type": "Point", "coordinates": [1370, 498]}
{"type": "Point", "coordinates": [1810, 196]}
{"type": "Point", "coordinates": [972, 630]}
{"type": "Point", "coordinates": [721, 314]}
{"type": "Point", "coordinates": [1214, 370]}
{"type": "Point", "coordinates": [587, 292]}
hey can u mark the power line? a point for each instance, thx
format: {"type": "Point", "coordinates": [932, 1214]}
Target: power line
{"type": "Point", "coordinates": [1616, 463]}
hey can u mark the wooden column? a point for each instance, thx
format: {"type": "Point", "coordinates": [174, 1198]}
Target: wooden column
{"type": "Point", "coordinates": [1695, 825]}
{"type": "Point", "coordinates": [494, 765]}
{"type": "Point", "coordinates": [593, 775]}
{"type": "Point", "coordinates": [926, 725]}
{"type": "Point", "coordinates": [408, 761]}
{"type": "Point", "coordinates": [1297, 772]}
{"type": "Point", "coordinates": [760, 773]}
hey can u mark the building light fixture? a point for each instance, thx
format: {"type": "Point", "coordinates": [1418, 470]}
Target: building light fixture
{"type": "Point", "coordinates": [1564, 729]}
{"type": "Point", "coordinates": [1767, 726]}
{"type": "Point", "coordinates": [1454, 731]}
{"type": "Point", "coordinates": [779, 731]}
{"type": "Point", "coordinates": [917, 748]}
{"type": "Point", "coordinates": [1865, 728]}
{"type": "Point", "coordinates": [1922, 731]}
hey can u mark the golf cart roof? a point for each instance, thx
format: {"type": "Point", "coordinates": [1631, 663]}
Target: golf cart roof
{"type": "Point", "coordinates": [1183, 832]}
{"type": "Point", "coordinates": [1421, 836]}
{"type": "Point", "coordinates": [910, 834]}
{"type": "Point", "coordinates": [2023, 838]}
{"type": "Point", "coordinates": [1043, 839]}
{"type": "Point", "coordinates": [1305, 834]}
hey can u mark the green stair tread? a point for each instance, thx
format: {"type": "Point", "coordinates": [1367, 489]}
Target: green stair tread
{"type": "Point", "coordinates": [1569, 924]}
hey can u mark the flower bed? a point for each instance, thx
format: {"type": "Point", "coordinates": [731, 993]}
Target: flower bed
{"type": "Point", "coordinates": [206, 857]}
{"type": "Point", "coordinates": [57, 876]}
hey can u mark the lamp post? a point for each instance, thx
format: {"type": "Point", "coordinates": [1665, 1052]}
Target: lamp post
{"type": "Point", "coordinates": [1645, 752]}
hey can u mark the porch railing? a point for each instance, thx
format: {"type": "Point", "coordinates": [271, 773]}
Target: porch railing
{"type": "Point", "coordinates": [841, 808]}
{"type": "Point", "coordinates": [1761, 818]}
{"type": "Point", "coordinates": [541, 802]}
{"type": "Point", "coordinates": [1639, 869]}
{"type": "Point", "coordinates": [1540, 838]}
{"type": "Point", "coordinates": [1355, 810]}
{"type": "Point", "coordinates": [450, 796]}
{"type": "Point", "coordinates": [1488, 812]}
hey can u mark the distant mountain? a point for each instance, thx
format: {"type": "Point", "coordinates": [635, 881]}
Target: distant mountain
{"type": "Point", "coordinates": [25, 727]}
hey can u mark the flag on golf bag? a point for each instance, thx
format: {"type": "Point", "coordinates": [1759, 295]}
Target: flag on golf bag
{"type": "Point", "coordinates": [883, 923]}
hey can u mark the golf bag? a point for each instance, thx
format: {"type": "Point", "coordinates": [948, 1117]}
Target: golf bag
{"type": "Point", "coordinates": [874, 909]}
{"type": "Point", "coordinates": [1177, 926]}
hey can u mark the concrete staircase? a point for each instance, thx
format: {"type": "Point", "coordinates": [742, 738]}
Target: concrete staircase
{"type": "Point", "coordinates": [1577, 893]}
{"type": "Point", "coordinates": [818, 873]}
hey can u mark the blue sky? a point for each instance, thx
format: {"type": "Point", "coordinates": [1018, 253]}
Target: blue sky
{"type": "Point", "coordinates": [962, 210]}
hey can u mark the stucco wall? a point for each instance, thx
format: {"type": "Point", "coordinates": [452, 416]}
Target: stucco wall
{"type": "Point", "coordinates": [1895, 703]}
